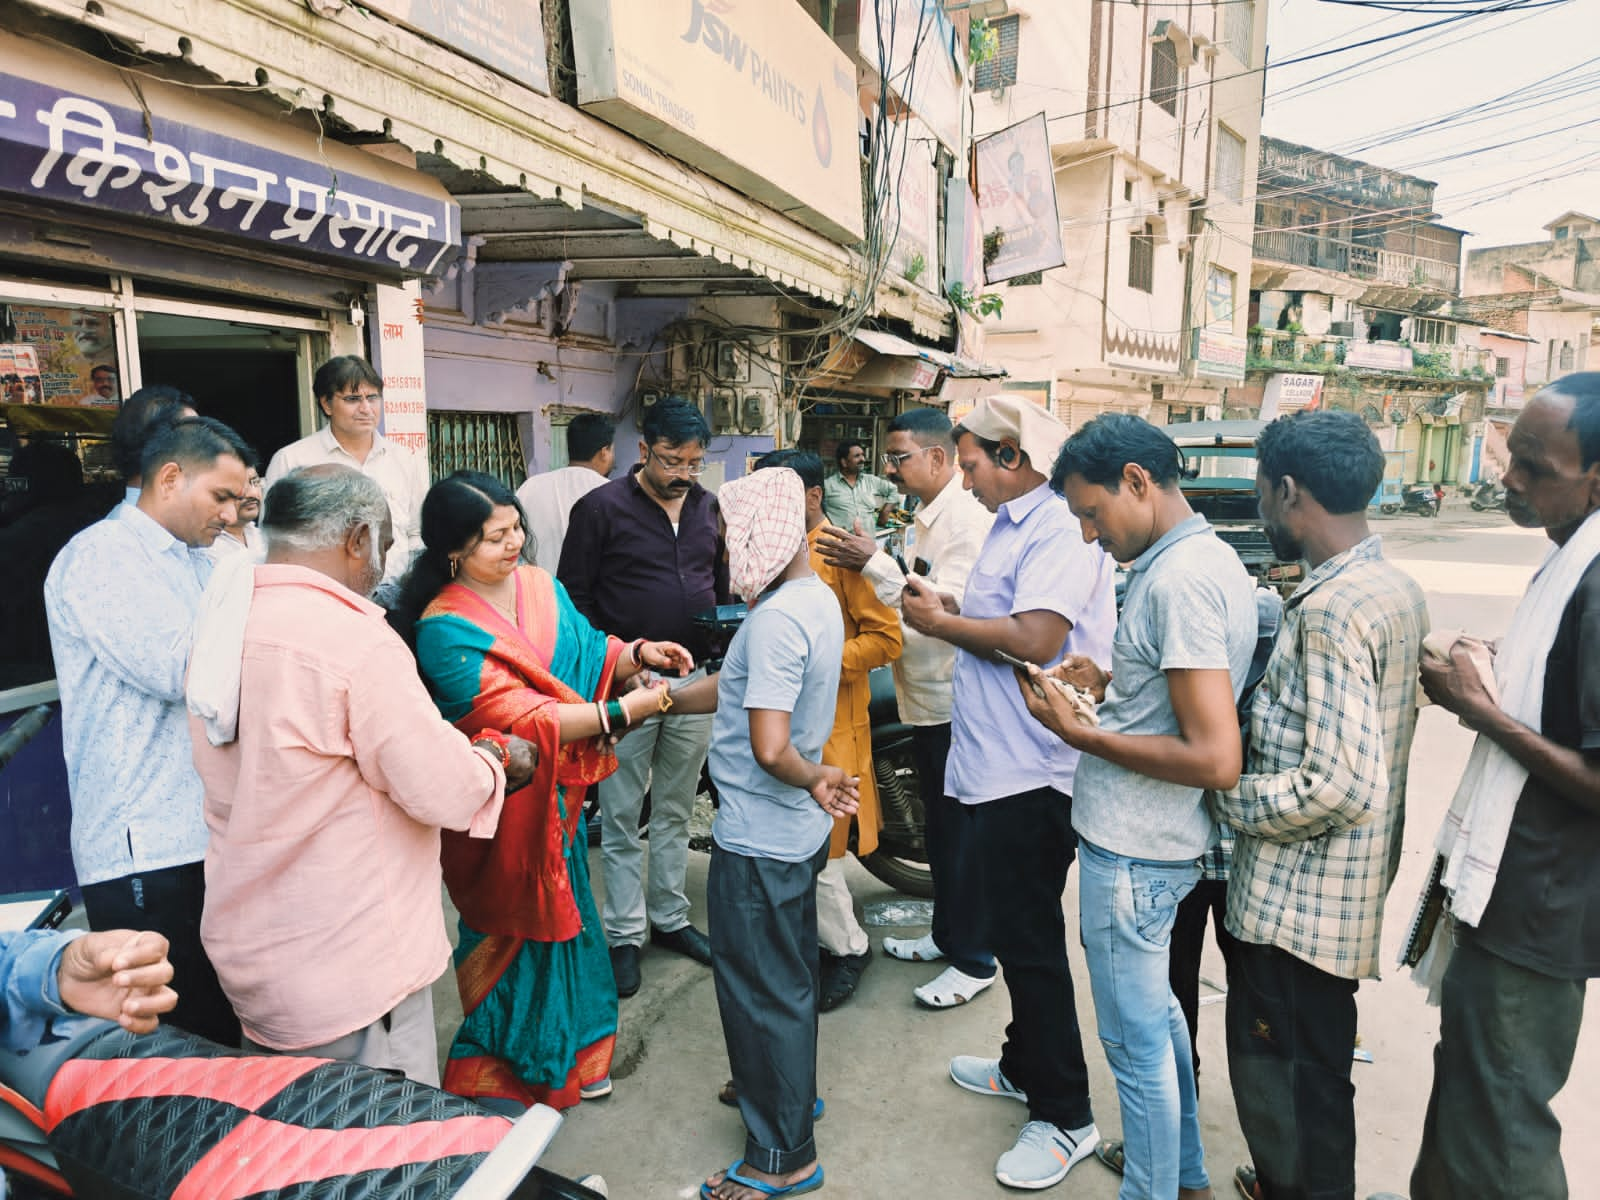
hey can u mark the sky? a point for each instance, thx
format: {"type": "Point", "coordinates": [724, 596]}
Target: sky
{"type": "Point", "coordinates": [1498, 179]}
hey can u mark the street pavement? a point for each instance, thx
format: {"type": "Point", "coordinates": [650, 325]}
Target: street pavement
{"type": "Point", "coordinates": [897, 1127]}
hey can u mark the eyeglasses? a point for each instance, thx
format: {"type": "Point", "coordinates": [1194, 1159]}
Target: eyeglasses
{"type": "Point", "coordinates": [693, 469]}
{"type": "Point", "coordinates": [892, 462]}
{"type": "Point", "coordinates": [361, 397]}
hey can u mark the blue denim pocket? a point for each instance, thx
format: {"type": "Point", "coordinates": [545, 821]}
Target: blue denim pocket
{"type": "Point", "coordinates": [1157, 891]}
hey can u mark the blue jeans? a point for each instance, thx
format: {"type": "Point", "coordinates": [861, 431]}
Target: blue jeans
{"type": "Point", "coordinates": [1127, 909]}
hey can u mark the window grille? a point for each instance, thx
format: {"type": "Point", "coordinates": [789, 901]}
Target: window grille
{"type": "Point", "coordinates": [1142, 259]}
{"type": "Point", "coordinates": [1000, 70]}
{"type": "Point", "coordinates": [1164, 75]}
{"type": "Point", "coordinates": [470, 441]}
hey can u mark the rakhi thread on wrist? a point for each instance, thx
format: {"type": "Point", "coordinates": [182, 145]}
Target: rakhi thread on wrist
{"type": "Point", "coordinates": [497, 740]}
{"type": "Point", "coordinates": [605, 721]}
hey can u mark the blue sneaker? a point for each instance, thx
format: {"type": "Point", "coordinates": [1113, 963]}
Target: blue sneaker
{"type": "Point", "coordinates": [1043, 1155]}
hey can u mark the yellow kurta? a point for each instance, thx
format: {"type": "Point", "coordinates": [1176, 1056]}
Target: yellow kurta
{"type": "Point", "coordinates": [871, 639]}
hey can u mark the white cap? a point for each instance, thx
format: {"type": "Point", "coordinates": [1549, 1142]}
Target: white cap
{"type": "Point", "coordinates": [1030, 425]}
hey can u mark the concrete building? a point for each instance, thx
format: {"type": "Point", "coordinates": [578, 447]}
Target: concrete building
{"type": "Point", "coordinates": [1548, 291]}
{"type": "Point", "coordinates": [1353, 305]}
{"type": "Point", "coordinates": [1154, 117]}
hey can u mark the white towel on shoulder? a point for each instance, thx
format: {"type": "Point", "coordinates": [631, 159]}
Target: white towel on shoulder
{"type": "Point", "coordinates": [217, 659]}
{"type": "Point", "coordinates": [1473, 835]}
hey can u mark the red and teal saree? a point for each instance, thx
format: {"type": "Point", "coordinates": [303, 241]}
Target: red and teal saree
{"type": "Point", "coordinates": [535, 978]}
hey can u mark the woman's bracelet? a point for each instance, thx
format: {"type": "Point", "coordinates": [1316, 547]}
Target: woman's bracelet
{"type": "Point", "coordinates": [636, 653]}
{"type": "Point", "coordinates": [498, 741]}
{"type": "Point", "coordinates": [618, 712]}
{"type": "Point", "coordinates": [605, 722]}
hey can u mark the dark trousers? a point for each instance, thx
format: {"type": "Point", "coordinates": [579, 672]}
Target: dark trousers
{"type": "Point", "coordinates": [1291, 1031]}
{"type": "Point", "coordinates": [763, 918]}
{"type": "Point", "coordinates": [1506, 1040]}
{"type": "Point", "coordinates": [1025, 845]}
{"type": "Point", "coordinates": [170, 902]}
{"type": "Point", "coordinates": [958, 924]}
{"type": "Point", "coordinates": [1207, 902]}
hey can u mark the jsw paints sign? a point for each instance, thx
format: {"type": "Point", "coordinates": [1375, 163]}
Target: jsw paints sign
{"type": "Point", "coordinates": [751, 92]}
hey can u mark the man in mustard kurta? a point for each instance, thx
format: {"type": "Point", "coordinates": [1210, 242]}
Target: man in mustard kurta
{"type": "Point", "coordinates": [871, 639]}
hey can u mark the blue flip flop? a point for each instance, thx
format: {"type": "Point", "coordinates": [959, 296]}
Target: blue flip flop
{"type": "Point", "coordinates": [809, 1184]}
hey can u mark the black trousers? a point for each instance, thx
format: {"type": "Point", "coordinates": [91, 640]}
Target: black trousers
{"type": "Point", "coordinates": [170, 902]}
{"type": "Point", "coordinates": [763, 919]}
{"type": "Point", "coordinates": [1506, 1040]}
{"type": "Point", "coordinates": [1025, 844]}
{"type": "Point", "coordinates": [958, 923]}
{"type": "Point", "coordinates": [1208, 902]}
{"type": "Point", "coordinates": [1291, 1031]}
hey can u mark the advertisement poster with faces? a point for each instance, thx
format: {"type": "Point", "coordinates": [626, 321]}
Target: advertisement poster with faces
{"type": "Point", "coordinates": [73, 354]}
{"type": "Point", "coordinates": [19, 376]}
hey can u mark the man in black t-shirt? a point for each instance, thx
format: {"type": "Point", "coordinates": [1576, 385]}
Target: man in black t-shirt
{"type": "Point", "coordinates": [1512, 996]}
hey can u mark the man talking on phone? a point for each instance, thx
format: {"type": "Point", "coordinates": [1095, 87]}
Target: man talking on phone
{"type": "Point", "coordinates": [1036, 592]}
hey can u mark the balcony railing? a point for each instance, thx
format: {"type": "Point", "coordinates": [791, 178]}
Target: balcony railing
{"type": "Point", "coordinates": [1278, 349]}
{"type": "Point", "coordinates": [1362, 262]}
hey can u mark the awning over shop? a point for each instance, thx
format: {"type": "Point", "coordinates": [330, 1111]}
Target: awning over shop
{"type": "Point", "coordinates": [871, 359]}
{"type": "Point", "coordinates": [481, 133]}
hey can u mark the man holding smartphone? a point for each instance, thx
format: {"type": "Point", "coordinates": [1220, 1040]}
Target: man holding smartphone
{"type": "Point", "coordinates": [1037, 591]}
{"type": "Point", "coordinates": [942, 543]}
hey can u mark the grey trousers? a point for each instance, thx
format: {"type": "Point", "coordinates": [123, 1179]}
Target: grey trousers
{"type": "Point", "coordinates": [1506, 1041]}
{"type": "Point", "coordinates": [763, 916]}
{"type": "Point", "coordinates": [664, 756]}
{"type": "Point", "coordinates": [402, 1040]}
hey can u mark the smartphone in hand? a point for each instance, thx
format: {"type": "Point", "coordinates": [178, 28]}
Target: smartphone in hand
{"type": "Point", "coordinates": [1022, 665]}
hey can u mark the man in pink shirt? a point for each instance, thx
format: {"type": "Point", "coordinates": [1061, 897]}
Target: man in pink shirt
{"type": "Point", "coordinates": [328, 773]}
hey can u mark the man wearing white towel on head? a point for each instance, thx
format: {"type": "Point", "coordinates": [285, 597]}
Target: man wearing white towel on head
{"type": "Point", "coordinates": [1521, 842]}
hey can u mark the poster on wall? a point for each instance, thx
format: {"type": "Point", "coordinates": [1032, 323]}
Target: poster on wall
{"type": "Point", "coordinates": [397, 353]}
{"type": "Point", "coordinates": [1017, 201]}
{"type": "Point", "coordinates": [74, 353]}
{"type": "Point", "coordinates": [19, 376]}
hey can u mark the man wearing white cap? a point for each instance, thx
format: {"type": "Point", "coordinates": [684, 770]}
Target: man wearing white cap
{"type": "Point", "coordinates": [1036, 592]}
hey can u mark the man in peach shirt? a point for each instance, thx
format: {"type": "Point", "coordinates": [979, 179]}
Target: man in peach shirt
{"type": "Point", "coordinates": [328, 773]}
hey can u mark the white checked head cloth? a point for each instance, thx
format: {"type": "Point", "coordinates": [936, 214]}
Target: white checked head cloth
{"type": "Point", "coordinates": [1028, 424]}
{"type": "Point", "coordinates": [765, 516]}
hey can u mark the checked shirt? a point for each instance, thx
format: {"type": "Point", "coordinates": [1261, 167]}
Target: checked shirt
{"type": "Point", "coordinates": [1319, 811]}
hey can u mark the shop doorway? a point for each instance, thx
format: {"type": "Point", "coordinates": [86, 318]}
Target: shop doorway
{"type": "Point", "coordinates": [245, 375]}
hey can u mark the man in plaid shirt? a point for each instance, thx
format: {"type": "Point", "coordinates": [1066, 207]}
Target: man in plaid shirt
{"type": "Point", "coordinates": [1318, 813]}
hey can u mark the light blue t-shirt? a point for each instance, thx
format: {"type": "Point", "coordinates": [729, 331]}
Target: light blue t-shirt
{"type": "Point", "coordinates": [1034, 559]}
{"type": "Point", "coordinates": [785, 657]}
{"type": "Point", "coordinates": [1190, 605]}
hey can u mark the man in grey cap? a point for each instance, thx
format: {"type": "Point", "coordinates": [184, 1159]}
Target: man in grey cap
{"type": "Point", "coordinates": [1036, 592]}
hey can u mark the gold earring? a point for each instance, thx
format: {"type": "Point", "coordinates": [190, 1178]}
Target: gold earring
{"type": "Point", "coordinates": [455, 565]}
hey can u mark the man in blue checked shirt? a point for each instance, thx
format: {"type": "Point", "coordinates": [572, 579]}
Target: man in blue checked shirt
{"type": "Point", "coordinates": [1317, 814]}
{"type": "Point", "coordinates": [121, 599]}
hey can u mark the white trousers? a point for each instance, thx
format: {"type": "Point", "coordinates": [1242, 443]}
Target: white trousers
{"type": "Point", "coordinates": [838, 931]}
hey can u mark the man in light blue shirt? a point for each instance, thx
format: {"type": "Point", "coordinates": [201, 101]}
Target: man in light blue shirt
{"type": "Point", "coordinates": [1167, 730]}
{"type": "Point", "coordinates": [121, 599]}
{"type": "Point", "coordinates": [1036, 592]}
{"type": "Point", "coordinates": [119, 975]}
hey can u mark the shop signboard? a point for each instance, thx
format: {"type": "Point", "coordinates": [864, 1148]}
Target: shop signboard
{"type": "Point", "coordinates": [1382, 356]}
{"type": "Point", "coordinates": [1219, 354]}
{"type": "Point", "coordinates": [1286, 393]}
{"type": "Point", "coordinates": [506, 37]}
{"type": "Point", "coordinates": [1017, 201]}
{"type": "Point", "coordinates": [397, 353]}
{"type": "Point", "coordinates": [752, 92]}
{"type": "Point", "coordinates": [911, 41]}
{"type": "Point", "coordinates": [72, 135]}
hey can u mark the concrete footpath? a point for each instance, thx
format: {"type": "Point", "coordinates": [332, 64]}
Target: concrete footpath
{"type": "Point", "coordinates": [897, 1127]}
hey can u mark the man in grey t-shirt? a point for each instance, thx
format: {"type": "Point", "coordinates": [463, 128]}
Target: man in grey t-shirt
{"type": "Point", "coordinates": [1167, 732]}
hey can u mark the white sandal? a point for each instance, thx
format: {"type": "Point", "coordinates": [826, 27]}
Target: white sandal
{"type": "Point", "coordinates": [951, 988]}
{"type": "Point", "coordinates": [919, 949]}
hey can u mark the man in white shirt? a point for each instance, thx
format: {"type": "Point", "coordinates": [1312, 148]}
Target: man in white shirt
{"type": "Point", "coordinates": [547, 499]}
{"type": "Point", "coordinates": [941, 545]}
{"type": "Point", "coordinates": [350, 393]}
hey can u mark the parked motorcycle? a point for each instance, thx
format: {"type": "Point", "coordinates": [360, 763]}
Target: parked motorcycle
{"type": "Point", "coordinates": [1423, 499]}
{"type": "Point", "coordinates": [1488, 497]}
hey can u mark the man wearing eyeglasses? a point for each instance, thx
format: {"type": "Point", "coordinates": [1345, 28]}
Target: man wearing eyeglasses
{"type": "Point", "coordinates": [642, 555]}
{"type": "Point", "coordinates": [349, 391]}
{"type": "Point", "coordinates": [855, 495]}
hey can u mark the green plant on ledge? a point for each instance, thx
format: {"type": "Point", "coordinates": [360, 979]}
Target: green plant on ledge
{"type": "Point", "coordinates": [915, 268]}
{"type": "Point", "coordinates": [986, 304]}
